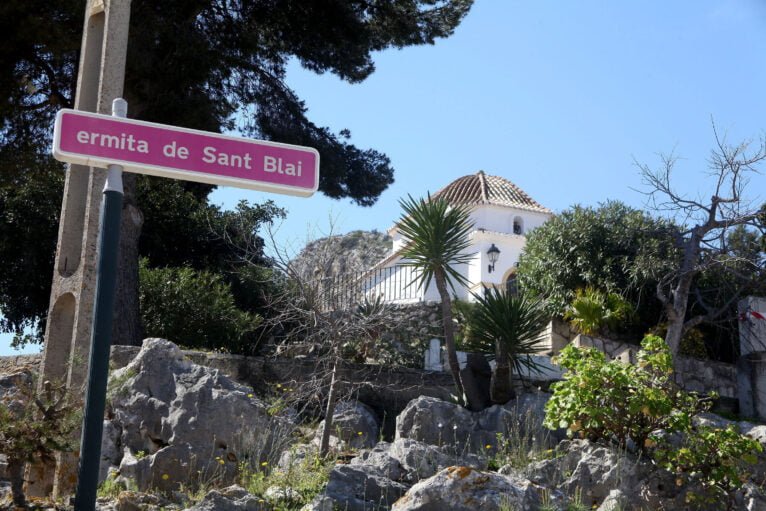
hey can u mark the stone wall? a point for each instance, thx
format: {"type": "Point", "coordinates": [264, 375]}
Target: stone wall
{"type": "Point", "coordinates": [410, 327]}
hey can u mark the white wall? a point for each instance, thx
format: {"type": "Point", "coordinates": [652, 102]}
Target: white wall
{"type": "Point", "coordinates": [492, 224]}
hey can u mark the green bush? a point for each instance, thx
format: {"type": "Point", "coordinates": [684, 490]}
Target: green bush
{"type": "Point", "coordinates": [34, 427]}
{"type": "Point", "coordinates": [195, 309]}
{"type": "Point", "coordinates": [715, 459]}
{"type": "Point", "coordinates": [618, 402]}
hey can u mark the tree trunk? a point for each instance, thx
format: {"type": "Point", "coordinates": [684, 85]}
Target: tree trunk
{"type": "Point", "coordinates": [324, 445]}
{"type": "Point", "coordinates": [15, 471]}
{"type": "Point", "coordinates": [501, 388]}
{"type": "Point", "coordinates": [449, 334]}
{"type": "Point", "coordinates": [127, 328]}
{"type": "Point", "coordinates": [675, 333]}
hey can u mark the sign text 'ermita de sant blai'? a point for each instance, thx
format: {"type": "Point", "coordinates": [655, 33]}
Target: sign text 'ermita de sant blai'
{"type": "Point", "coordinates": [167, 151]}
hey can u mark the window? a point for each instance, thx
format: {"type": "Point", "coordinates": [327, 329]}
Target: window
{"type": "Point", "coordinates": [518, 225]}
{"type": "Point", "coordinates": [511, 286]}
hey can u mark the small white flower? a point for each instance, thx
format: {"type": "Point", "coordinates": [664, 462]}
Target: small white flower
{"type": "Point", "coordinates": [454, 426]}
{"type": "Point", "coordinates": [439, 425]}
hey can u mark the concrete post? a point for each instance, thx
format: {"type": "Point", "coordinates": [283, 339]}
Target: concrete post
{"type": "Point", "coordinates": [751, 366]}
{"type": "Point", "coordinates": [70, 317]}
{"type": "Point", "coordinates": [433, 356]}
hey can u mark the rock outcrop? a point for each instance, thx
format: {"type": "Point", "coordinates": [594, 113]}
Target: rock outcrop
{"type": "Point", "coordinates": [172, 421]}
{"type": "Point", "coordinates": [354, 425]}
{"type": "Point", "coordinates": [465, 489]}
{"type": "Point", "coordinates": [437, 422]}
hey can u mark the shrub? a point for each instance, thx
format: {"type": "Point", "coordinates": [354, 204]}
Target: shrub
{"type": "Point", "coordinates": [715, 459]}
{"type": "Point", "coordinates": [619, 402]}
{"type": "Point", "coordinates": [33, 428]}
{"type": "Point", "coordinates": [195, 309]}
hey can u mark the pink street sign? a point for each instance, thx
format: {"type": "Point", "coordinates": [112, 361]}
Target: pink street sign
{"type": "Point", "coordinates": [167, 151]}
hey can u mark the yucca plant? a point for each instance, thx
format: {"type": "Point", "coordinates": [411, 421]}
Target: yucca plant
{"type": "Point", "coordinates": [508, 327]}
{"type": "Point", "coordinates": [436, 238]}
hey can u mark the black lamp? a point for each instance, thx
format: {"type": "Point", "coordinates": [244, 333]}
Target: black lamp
{"type": "Point", "coordinates": [493, 253]}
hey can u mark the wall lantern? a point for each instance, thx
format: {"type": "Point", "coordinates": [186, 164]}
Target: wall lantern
{"type": "Point", "coordinates": [493, 253]}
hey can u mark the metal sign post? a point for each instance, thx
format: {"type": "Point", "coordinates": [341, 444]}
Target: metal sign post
{"type": "Point", "coordinates": [167, 151]}
{"type": "Point", "coordinates": [98, 365]}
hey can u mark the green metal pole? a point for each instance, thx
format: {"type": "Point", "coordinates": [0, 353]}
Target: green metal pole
{"type": "Point", "coordinates": [98, 365]}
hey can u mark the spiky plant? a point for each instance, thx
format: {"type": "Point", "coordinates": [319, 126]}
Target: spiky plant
{"type": "Point", "coordinates": [507, 326]}
{"type": "Point", "coordinates": [592, 311]}
{"type": "Point", "coordinates": [436, 238]}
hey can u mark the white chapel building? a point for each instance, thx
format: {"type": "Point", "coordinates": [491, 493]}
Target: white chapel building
{"type": "Point", "coordinates": [502, 215]}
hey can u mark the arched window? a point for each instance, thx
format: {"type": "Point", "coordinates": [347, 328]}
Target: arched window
{"type": "Point", "coordinates": [518, 225]}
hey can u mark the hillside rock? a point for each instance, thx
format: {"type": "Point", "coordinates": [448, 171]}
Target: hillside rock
{"type": "Point", "coordinates": [437, 422]}
{"type": "Point", "coordinates": [336, 256]}
{"type": "Point", "coordinates": [177, 419]}
{"type": "Point", "coordinates": [362, 488]}
{"type": "Point", "coordinates": [465, 489]}
{"type": "Point", "coordinates": [354, 425]}
{"type": "Point", "coordinates": [232, 498]}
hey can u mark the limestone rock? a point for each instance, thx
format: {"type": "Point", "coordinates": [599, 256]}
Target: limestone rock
{"type": "Point", "coordinates": [360, 488]}
{"type": "Point", "coordinates": [178, 420]}
{"type": "Point", "coordinates": [615, 501]}
{"type": "Point", "coordinates": [354, 425]}
{"type": "Point", "coordinates": [111, 453]}
{"type": "Point", "coordinates": [135, 501]}
{"type": "Point", "coordinates": [233, 498]}
{"type": "Point", "coordinates": [465, 489]}
{"type": "Point", "coordinates": [440, 423]}
{"type": "Point", "coordinates": [420, 460]}
{"type": "Point", "coordinates": [435, 422]}
{"type": "Point", "coordinates": [320, 503]}
{"type": "Point", "coordinates": [380, 460]}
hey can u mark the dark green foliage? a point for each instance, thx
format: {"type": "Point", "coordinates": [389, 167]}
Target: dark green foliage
{"type": "Point", "coordinates": [613, 248]}
{"type": "Point", "coordinates": [195, 309]}
{"type": "Point", "coordinates": [437, 236]}
{"type": "Point", "coordinates": [202, 64]}
{"type": "Point", "coordinates": [28, 231]}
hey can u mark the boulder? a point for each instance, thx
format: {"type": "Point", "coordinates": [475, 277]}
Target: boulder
{"type": "Point", "coordinates": [233, 498]}
{"type": "Point", "coordinates": [440, 423]}
{"type": "Point", "coordinates": [420, 461]}
{"type": "Point", "coordinates": [590, 469]}
{"type": "Point", "coordinates": [111, 453]}
{"type": "Point", "coordinates": [380, 460]}
{"type": "Point", "coordinates": [320, 503]}
{"type": "Point", "coordinates": [465, 489]}
{"type": "Point", "coordinates": [182, 422]}
{"type": "Point", "coordinates": [362, 488]}
{"type": "Point", "coordinates": [615, 501]}
{"type": "Point", "coordinates": [436, 422]}
{"type": "Point", "coordinates": [135, 501]}
{"type": "Point", "coordinates": [354, 425]}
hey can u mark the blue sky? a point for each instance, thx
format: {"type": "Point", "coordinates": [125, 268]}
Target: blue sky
{"type": "Point", "coordinates": [559, 97]}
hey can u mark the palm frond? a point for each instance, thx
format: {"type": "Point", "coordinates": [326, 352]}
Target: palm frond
{"type": "Point", "coordinates": [436, 236]}
{"type": "Point", "coordinates": [509, 324]}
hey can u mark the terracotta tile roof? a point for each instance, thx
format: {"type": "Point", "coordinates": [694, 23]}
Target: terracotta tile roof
{"type": "Point", "coordinates": [480, 188]}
